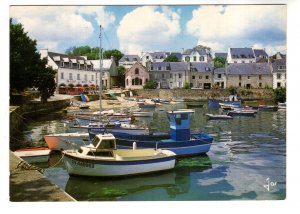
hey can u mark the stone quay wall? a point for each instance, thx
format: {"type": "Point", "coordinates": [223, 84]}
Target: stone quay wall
{"type": "Point", "coordinates": [201, 95]}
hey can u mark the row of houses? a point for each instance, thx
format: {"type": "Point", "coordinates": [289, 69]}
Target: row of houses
{"type": "Point", "coordinates": [245, 67]}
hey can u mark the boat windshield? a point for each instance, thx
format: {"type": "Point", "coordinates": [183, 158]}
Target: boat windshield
{"type": "Point", "coordinates": [95, 141]}
{"type": "Point", "coordinates": [107, 144]}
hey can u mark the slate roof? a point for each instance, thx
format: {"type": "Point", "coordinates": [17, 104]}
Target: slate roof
{"type": "Point", "coordinates": [201, 67]}
{"type": "Point", "coordinates": [241, 53]}
{"type": "Point", "coordinates": [179, 66]}
{"type": "Point", "coordinates": [219, 71]}
{"type": "Point", "coordinates": [260, 52]}
{"type": "Point", "coordinates": [222, 55]}
{"type": "Point", "coordinates": [53, 55]}
{"type": "Point", "coordinates": [130, 58]}
{"type": "Point", "coordinates": [155, 65]}
{"type": "Point", "coordinates": [277, 63]}
{"type": "Point", "coordinates": [158, 55]}
{"type": "Point", "coordinates": [248, 69]}
{"type": "Point", "coordinates": [200, 50]}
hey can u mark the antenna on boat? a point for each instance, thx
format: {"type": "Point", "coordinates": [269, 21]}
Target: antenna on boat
{"type": "Point", "coordinates": [100, 73]}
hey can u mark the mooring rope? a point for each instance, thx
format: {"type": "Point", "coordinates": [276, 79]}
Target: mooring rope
{"type": "Point", "coordinates": [23, 165]}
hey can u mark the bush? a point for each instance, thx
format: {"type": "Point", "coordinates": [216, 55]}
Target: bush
{"type": "Point", "coordinates": [280, 95]}
{"type": "Point", "coordinates": [151, 84]}
{"type": "Point", "coordinates": [187, 85]}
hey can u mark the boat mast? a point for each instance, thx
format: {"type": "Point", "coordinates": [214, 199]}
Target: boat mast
{"type": "Point", "coordinates": [100, 74]}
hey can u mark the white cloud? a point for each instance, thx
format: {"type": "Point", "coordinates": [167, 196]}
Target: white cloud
{"type": "Point", "coordinates": [146, 27]}
{"type": "Point", "coordinates": [218, 24]}
{"type": "Point", "coordinates": [271, 49]}
{"type": "Point", "coordinates": [54, 25]}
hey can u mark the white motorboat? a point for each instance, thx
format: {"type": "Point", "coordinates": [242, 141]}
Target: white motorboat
{"type": "Point", "coordinates": [33, 155]}
{"type": "Point", "coordinates": [102, 158]}
{"type": "Point", "coordinates": [218, 117]}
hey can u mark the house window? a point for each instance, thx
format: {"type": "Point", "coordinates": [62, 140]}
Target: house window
{"type": "Point", "coordinates": [171, 76]}
{"type": "Point", "coordinates": [195, 58]}
{"type": "Point", "coordinates": [106, 83]}
{"type": "Point", "coordinates": [146, 80]}
{"type": "Point", "coordinates": [126, 81]}
{"type": "Point", "coordinates": [278, 76]}
{"type": "Point", "coordinates": [200, 77]}
{"type": "Point", "coordinates": [137, 81]}
{"type": "Point", "coordinates": [187, 58]}
{"type": "Point", "coordinates": [207, 77]}
{"type": "Point", "coordinates": [243, 61]}
{"type": "Point", "coordinates": [136, 71]}
{"type": "Point", "coordinates": [159, 68]}
{"type": "Point", "coordinates": [162, 75]}
{"type": "Point", "coordinates": [260, 84]}
{"type": "Point", "coordinates": [248, 77]}
{"type": "Point", "coordinates": [278, 85]}
{"type": "Point", "coordinates": [179, 75]}
{"type": "Point", "coordinates": [62, 75]}
{"type": "Point", "coordinates": [151, 68]}
{"type": "Point", "coordinates": [193, 77]}
{"type": "Point", "coordinates": [92, 77]}
{"type": "Point", "coordinates": [240, 77]}
{"type": "Point", "coordinates": [132, 82]}
{"type": "Point", "coordinates": [240, 84]}
{"type": "Point", "coordinates": [147, 57]}
{"type": "Point", "coordinates": [219, 76]}
{"type": "Point", "coordinates": [78, 76]}
{"type": "Point", "coordinates": [201, 58]}
{"type": "Point", "coordinates": [85, 77]}
{"type": "Point", "coordinates": [259, 77]}
{"type": "Point", "coordinates": [70, 76]}
{"type": "Point", "coordinates": [62, 64]}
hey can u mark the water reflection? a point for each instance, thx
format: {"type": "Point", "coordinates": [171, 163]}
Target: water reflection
{"type": "Point", "coordinates": [170, 184]}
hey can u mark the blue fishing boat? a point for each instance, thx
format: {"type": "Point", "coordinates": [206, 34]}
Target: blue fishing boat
{"type": "Point", "coordinates": [179, 140]}
{"type": "Point", "coordinates": [232, 100]}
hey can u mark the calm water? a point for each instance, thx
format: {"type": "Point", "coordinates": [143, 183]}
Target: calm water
{"type": "Point", "coordinates": [247, 154]}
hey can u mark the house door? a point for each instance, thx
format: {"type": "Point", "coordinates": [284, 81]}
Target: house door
{"type": "Point", "coordinates": [248, 86]}
{"type": "Point", "coordinates": [207, 86]}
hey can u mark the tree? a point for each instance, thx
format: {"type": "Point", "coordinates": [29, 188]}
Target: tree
{"type": "Point", "coordinates": [171, 58]}
{"type": "Point", "coordinates": [27, 69]}
{"type": "Point", "coordinates": [151, 84]}
{"type": "Point", "coordinates": [115, 53]}
{"type": "Point", "coordinates": [280, 94]}
{"type": "Point", "coordinates": [219, 62]}
{"type": "Point", "coordinates": [121, 75]}
{"type": "Point", "coordinates": [90, 53]}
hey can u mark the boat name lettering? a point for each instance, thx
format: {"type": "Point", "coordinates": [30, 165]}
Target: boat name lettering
{"type": "Point", "coordinates": [83, 164]}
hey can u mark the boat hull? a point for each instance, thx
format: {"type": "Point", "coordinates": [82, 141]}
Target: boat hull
{"type": "Point", "coordinates": [198, 144]}
{"type": "Point", "coordinates": [90, 167]}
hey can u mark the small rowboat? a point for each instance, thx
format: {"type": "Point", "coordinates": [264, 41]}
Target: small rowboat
{"type": "Point", "coordinates": [33, 155]}
{"type": "Point", "coordinates": [102, 158]}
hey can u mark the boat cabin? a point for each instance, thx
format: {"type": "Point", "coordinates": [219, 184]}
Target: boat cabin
{"type": "Point", "coordinates": [102, 145]}
{"type": "Point", "coordinates": [180, 124]}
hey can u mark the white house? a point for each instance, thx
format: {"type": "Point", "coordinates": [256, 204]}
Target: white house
{"type": "Point", "coordinates": [72, 71]}
{"type": "Point", "coordinates": [197, 54]}
{"type": "Point", "coordinates": [147, 57]}
{"type": "Point", "coordinates": [241, 55]}
{"type": "Point", "coordinates": [129, 60]}
{"type": "Point", "coordinates": [279, 73]}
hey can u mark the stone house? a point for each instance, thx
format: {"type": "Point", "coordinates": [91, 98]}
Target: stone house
{"type": "Point", "coordinates": [201, 75]}
{"type": "Point", "coordinates": [161, 73]}
{"type": "Point", "coordinates": [219, 77]}
{"type": "Point", "coordinates": [249, 75]}
{"type": "Point", "coordinates": [179, 74]}
{"type": "Point", "coordinates": [136, 76]}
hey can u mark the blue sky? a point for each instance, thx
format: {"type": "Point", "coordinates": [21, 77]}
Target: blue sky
{"type": "Point", "coordinates": [133, 29]}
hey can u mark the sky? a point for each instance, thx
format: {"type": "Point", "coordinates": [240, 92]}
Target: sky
{"type": "Point", "coordinates": [133, 29]}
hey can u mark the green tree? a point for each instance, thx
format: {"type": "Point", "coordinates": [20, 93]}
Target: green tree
{"type": "Point", "coordinates": [27, 69]}
{"type": "Point", "coordinates": [115, 53]}
{"type": "Point", "coordinates": [121, 75]}
{"type": "Point", "coordinates": [90, 53]}
{"type": "Point", "coordinates": [280, 94]}
{"type": "Point", "coordinates": [151, 84]}
{"type": "Point", "coordinates": [171, 58]}
{"type": "Point", "coordinates": [219, 62]}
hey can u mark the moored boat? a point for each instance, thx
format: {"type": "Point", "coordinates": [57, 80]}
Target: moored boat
{"type": "Point", "coordinates": [33, 155]}
{"type": "Point", "coordinates": [241, 113]}
{"type": "Point", "coordinates": [267, 108]}
{"type": "Point", "coordinates": [142, 114]}
{"type": "Point", "coordinates": [179, 140]}
{"type": "Point", "coordinates": [218, 117]}
{"type": "Point", "coordinates": [102, 158]}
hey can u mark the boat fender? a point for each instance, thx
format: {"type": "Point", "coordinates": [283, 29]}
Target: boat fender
{"type": "Point", "coordinates": [134, 145]}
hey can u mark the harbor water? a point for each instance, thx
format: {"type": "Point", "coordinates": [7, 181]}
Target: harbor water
{"type": "Point", "coordinates": [247, 161]}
